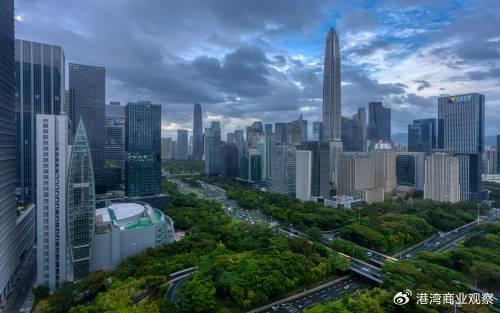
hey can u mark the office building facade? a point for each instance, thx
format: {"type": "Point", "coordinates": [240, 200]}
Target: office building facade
{"type": "Point", "coordinates": [379, 123]}
{"type": "Point", "coordinates": [317, 131]}
{"type": "Point", "coordinates": [39, 90]}
{"type": "Point", "coordinates": [213, 150]}
{"type": "Point", "coordinates": [463, 134]}
{"type": "Point", "coordinates": [442, 183]}
{"type": "Point", "coordinates": [87, 90]}
{"type": "Point", "coordinates": [422, 135]}
{"type": "Point", "coordinates": [115, 136]}
{"type": "Point", "coordinates": [283, 169]}
{"type": "Point", "coordinates": [143, 145]}
{"type": "Point", "coordinates": [303, 174]}
{"type": "Point", "coordinates": [51, 153]}
{"type": "Point", "coordinates": [230, 161]}
{"type": "Point", "coordinates": [331, 88]}
{"type": "Point", "coordinates": [8, 243]}
{"type": "Point", "coordinates": [280, 132]}
{"type": "Point", "coordinates": [182, 144]}
{"type": "Point", "coordinates": [385, 166]}
{"type": "Point", "coordinates": [265, 143]}
{"type": "Point", "coordinates": [410, 170]}
{"type": "Point", "coordinates": [320, 177]}
{"type": "Point", "coordinates": [197, 133]}
{"type": "Point", "coordinates": [80, 205]}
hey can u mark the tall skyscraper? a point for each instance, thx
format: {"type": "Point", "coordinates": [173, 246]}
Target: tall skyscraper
{"type": "Point", "coordinates": [268, 128]}
{"type": "Point", "coordinates": [280, 132]}
{"type": "Point", "coordinates": [463, 131]}
{"type": "Point", "coordinates": [498, 154]}
{"type": "Point", "coordinates": [265, 142]}
{"type": "Point", "coordinates": [8, 258]}
{"type": "Point", "coordinates": [379, 123]}
{"type": "Point", "coordinates": [254, 165]}
{"type": "Point", "coordinates": [238, 136]}
{"type": "Point", "coordinates": [80, 205]}
{"type": "Point", "coordinates": [197, 133]}
{"type": "Point", "coordinates": [303, 175]}
{"type": "Point", "coordinates": [182, 144]}
{"type": "Point", "coordinates": [317, 131]}
{"type": "Point", "coordinates": [359, 120]}
{"type": "Point", "coordinates": [39, 90]}
{"type": "Point", "coordinates": [296, 132]}
{"type": "Point", "coordinates": [143, 144]}
{"type": "Point", "coordinates": [213, 151]}
{"type": "Point", "coordinates": [385, 166]}
{"type": "Point", "coordinates": [320, 177]}
{"type": "Point", "coordinates": [115, 136]}
{"type": "Point", "coordinates": [331, 88]}
{"type": "Point", "coordinates": [490, 161]}
{"type": "Point", "coordinates": [231, 161]}
{"type": "Point", "coordinates": [51, 154]}
{"type": "Point", "coordinates": [164, 121]}
{"type": "Point", "coordinates": [283, 169]}
{"type": "Point", "coordinates": [87, 90]}
{"type": "Point", "coordinates": [410, 169]}
{"type": "Point", "coordinates": [353, 137]}
{"type": "Point", "coordinates": [253, 134]}
{"type": "Point", "coordinates": [441, 183]}
{"type": "Point", "coordinates": [422, 135]}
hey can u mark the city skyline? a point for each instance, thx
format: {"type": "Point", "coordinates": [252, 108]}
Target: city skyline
{"type": "Point", "coordinates": [279, 66]}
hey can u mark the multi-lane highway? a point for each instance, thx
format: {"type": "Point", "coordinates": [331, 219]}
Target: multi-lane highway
{"type": "Point", "coordinates": [323, 293]}
{"type": "Point", "coordinates": [437, 243]}
{"type": "Point", "coordinates": [176, 280]}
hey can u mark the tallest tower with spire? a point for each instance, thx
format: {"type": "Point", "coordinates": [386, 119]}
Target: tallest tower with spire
{"type": "Point", "coordinates": [331, 88]}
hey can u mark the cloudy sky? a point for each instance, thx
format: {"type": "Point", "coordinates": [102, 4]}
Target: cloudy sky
{"type": "Point", "coordinates": [262, 60]}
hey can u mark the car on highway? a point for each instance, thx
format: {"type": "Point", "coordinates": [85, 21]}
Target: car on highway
{"type": "Point", "coordinates": [365, 269]}
{"type": "Point", "coordinates": [275, 307]}
{"type": "Point", "coordinates": [368, 253]}
{"type": "Point", "coordinates": [347, 286]}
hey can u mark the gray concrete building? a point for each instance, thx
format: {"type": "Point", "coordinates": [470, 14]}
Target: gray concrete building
{"type": "Point", "coordinates": [124, 229]}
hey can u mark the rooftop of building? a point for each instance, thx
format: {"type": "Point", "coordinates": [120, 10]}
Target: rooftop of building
{"type": "Point", "coordinates": [343, 198]}
{"type": "Point", "coordinates": [128, 215]}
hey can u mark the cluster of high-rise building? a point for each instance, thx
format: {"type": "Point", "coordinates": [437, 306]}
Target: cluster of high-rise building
{"type": "Point", "coordinates": [354, 156]}
{"type": "Point", "coordinates": [59, 149]}
{"type": "Point", "coordinates": [62, 148]}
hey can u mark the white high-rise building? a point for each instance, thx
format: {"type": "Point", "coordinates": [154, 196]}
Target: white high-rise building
{"type": "Point", "coordinates": [51, 156]}
{"type": "Point", "coordinates": [283, 169]}
{"type": "Point", "coordinates": [303, 174]}
{"type": "Point", "coordinates": [442, 172]}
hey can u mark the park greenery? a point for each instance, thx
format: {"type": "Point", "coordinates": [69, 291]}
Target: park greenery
{"type": "Point", "coordinates": [183, 166]}
{"type": "Point", "coordinates": [240, 266]}
{"type": "Point", "coordinates": [387, 227]}
{"type": "Point", "coordinates": [473, 264]}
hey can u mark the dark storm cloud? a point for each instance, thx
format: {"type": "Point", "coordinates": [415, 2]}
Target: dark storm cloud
{"type": "Point", "coordinates": [369, 48]}
{"type": "Point", "coordinates": [422, 84]}
{"type": "Point", "coordinates": [223, 53]}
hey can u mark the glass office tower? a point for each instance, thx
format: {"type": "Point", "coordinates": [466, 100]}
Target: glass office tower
{"type": "Point", "coordinates": [39, 90]}
{"type": "Point", "coordinates": [462, 119]}
{"type": "Point", "coordinates": [143, 144]}
{"type": "Point", "coordinates": [80, 205]}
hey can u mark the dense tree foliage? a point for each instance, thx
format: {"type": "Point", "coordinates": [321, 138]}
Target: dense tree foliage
{"type": "Point", "coordinates": [183, 166]}
{"type": "Point", "coordinates": [387, 227]}
{"type": "Point", "coordinates": [240, 266]}
{"type": "Point", "coordinates": [475, 263]}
